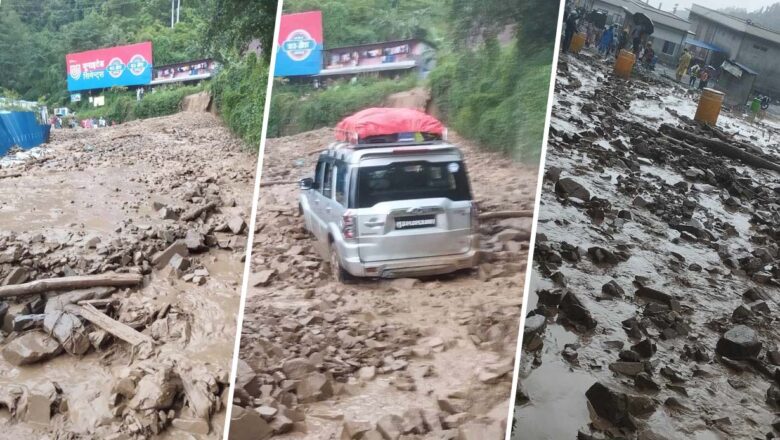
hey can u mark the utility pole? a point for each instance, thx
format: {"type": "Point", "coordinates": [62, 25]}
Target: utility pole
{"type": "Point", "coordinates": [173, 3]}
{"type": "Point", "coordinates": [178, 9]}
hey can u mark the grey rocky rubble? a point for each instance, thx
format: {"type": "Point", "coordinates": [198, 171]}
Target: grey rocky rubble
{"type": "Point", "coordinates": [657, 250]}
{"type": "Point", "coordinates": [189, 217]}
{"type": "Point", "coordinates": [407, 358]}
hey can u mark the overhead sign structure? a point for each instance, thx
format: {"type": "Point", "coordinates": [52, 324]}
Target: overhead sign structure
{"type": "Point", "coordinates": [299, 48]}
{"type": "Point", "coordinates": [115, 66]}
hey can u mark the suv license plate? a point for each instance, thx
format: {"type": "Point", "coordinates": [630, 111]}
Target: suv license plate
{"type": "Point", "coordinates": [417, 221]}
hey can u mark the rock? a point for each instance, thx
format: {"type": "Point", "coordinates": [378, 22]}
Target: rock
{"type": "Point", "coordinates": [195, 426]}
{"type": "Point", "coordinates": [161, 259]}
{"type": "Point", "coordinates": [404, 284]}
{"type": "Point", "coordinates": [481, 429]}
{"type": "Point", "coordinates": [155, 390]}
{"type": "Point", "coordinates": [534, 325]}
{"type": "Point", "coordinates": [367, 373]}
{"type": "Point", "coordinates": [645, 348]}
{"type": "Point", "coordinates": [568, 187]}
{"type": "Point", "coordinates": [236, 224]}
{"type": "Point", "coordinates": [617, 407]}
{"type": "Point", "coordinates": [282, 425]}
{"type": "Point", "coordinates": [649, 294]}
{"type": "Point", "coordinates": [248, 425]}
{"type": "Point", "coordinates": [455, 420]}
{"type": "Point", "coordinates": [413, 422]}
{"type": "Point", "coordinates": [262, 278]}
{"type": "Point", "coordinates": [69, 331]}
{"type": "Point", "coordinates": [30, 348]}
{"type": "Point", "coordinates": [297, 368]}
{"type": "Point", "coordinates": [314, 387]}
{"type": "Point", "coordinates": [354, 429]}
{"type": "Point", "coordinates": [266, 412]}
{"type": "Point", "coordinates": [739, 343]}
{"type": "Point", "coordinates": [17, 275]}
{"type": "Point", "coordinates": [195, 241]}
{"type": "Point", "coordinates": [612, 289]}
{"type": "Point", "coordinates": [627, 368]}
{"type": "Point", "coordinates": [179, 263]}
{"type": "Point", "coordinates": [601, 255]}
{"type": "Point", "coordinates": [773, 396]}
{"type": "Point", "coordinates": [38, 409]}
{"type": "Point", "coordinates": [576, 312]}
{"type": "Point", "coordinates": [390, 426]}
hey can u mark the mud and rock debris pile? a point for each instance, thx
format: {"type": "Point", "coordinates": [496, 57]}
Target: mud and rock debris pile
{"type": "Point", "coordinates": [407, 358]}
{"type": "Point", "coordinates": [166, 210]}
{"type": "Point", "coordinates": [656, 269]}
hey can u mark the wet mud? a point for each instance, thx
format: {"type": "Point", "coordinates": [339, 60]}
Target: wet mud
{"type": "Point", "coordinates": [653, 303]}
{"type": "Point", "coordinates": [424, 358]}
{"type": "Point", "coordinates": [124, 200]}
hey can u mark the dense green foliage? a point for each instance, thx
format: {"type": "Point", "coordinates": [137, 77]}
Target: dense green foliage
{"type": "Point", "coordinates": [36, 35]}
{"type": "Point", "coordinates": [295, 109]}
{"type": "Point", "coordinates": [239, 91]}
{"type": "Point", "coordinates": [497, 95]}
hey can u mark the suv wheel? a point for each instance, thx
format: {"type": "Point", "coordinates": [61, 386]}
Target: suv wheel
{"type": "Point", "coordinates": [339, 274]}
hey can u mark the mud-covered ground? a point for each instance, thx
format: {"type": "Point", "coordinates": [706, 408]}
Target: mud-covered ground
{"type": "Point", "coordinates": [109, 201]}
{"type": "Point", "coordinates": [427, 358]}
{"type": "Point", "coordinates": [653, 311]}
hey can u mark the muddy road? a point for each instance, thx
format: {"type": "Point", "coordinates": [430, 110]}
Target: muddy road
{"type": "Point", "coordinates": [165, 199]}
{"type": "Point", "coordinates": [429, 358]}
{"type": "Point", "coordinates": [654, 299]}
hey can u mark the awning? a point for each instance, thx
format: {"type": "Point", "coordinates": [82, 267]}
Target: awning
{"type": "Point", "coordinates": [703, 45]}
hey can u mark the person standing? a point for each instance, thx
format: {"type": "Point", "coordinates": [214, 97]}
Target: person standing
{"type": "Point", "coordinates": [606, 41]}
{"type": "Point", "coordinates": [682, 66]}
{"type": "Point", "coordinates": [571, 29]}
{"type": "Point", "coordinates": [704, 77]}
{"type": "Point", "coordinates": [694, 75]}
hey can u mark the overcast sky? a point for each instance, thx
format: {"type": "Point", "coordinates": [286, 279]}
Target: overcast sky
{"type": "Point", "coordinates": [750, 5]}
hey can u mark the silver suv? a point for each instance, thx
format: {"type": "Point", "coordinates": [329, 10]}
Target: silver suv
{"type": "Point", "coordinates": [392, 209]}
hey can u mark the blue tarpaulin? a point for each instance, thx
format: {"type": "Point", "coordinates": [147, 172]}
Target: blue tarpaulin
{"type": "Point", "coordinates": [21, 129]}
{"type": "Point", "coordinates": [703, 45]}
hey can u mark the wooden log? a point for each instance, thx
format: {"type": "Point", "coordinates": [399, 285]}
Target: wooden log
{"type": "Point", "coordinates": [10, 175]}
{"type": "Point", "coordinates": [105, 322]}
{"type": "Point", "coordinates": [74, 282]}
{"type": "Point", "coordinates": [192, 214]}
{"type": "Point", "coordinates": [505, 214]}
{"type": "Point", "coordinates": [719, 148]}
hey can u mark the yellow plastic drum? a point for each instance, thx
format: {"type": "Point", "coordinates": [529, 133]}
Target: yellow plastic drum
{"type": "Point", "coordinates": [577, 43]}
{"type": "Point", "coordinates": [709, 106]}
{"type": "Point", "coordinates": [624, 64]}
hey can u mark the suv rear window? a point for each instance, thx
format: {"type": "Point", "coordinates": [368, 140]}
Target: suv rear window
{"type": "Point", "coordinates": [411, 180]}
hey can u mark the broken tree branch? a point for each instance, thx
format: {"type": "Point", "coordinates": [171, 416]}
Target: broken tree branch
{"type": "Point", "coordinates": [75, 282]}
{"type": "Point", "coordinates": [505, 214]}
{"type": "Point", "coordinates": [105, 322]}
{"type": "Point", "coordinates": [719, 147]}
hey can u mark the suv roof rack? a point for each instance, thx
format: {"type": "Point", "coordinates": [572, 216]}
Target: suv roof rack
{"type": "Point", "coordinates": [351, 146]}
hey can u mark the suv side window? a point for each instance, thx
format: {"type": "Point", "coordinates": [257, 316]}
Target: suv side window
{"type": "Point", "coordinates": [327, 180]}
{"type": "Point", "coordinates": [341, 184]}
{"type": "Point", "coordinates": [318, 175]}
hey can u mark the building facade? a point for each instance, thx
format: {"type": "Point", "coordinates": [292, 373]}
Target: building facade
{"type": "Point", "coordinates": [741, 41]}
{"type": "Point", "coordinates": [670, 30]}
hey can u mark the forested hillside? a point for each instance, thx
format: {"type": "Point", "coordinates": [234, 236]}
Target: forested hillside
{"type": "Point", "coordinates": [490, 91]}
{"type": "Point", "coordinates": [36, 35]}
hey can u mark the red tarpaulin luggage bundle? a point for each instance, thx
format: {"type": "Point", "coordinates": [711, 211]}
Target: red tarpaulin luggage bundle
{"type": "Point", "coordinates": [379, 123]}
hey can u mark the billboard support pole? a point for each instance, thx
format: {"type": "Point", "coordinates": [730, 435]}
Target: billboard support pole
{"type": "Point", "coordinates": [178, 10]}
{"type": "Point", "coordinates": [173, 2]}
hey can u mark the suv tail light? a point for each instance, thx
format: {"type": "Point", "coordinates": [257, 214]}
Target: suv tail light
{"type": "Point", "coordinates": [474, 218]}
{"type": "Point", "coordinates": [349, 226]}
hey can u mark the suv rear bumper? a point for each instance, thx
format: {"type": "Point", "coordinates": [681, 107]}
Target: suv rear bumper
{"type": "Point", "coordinates": [423, 266]}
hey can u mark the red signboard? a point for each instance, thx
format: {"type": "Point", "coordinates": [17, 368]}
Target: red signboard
{"type": "Point", "coordinates": [114, 66]}
{"type": "Point", "coordinates": [299, 47]}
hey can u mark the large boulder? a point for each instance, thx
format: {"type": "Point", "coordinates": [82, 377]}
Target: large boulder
{"type": "Point", "coordinates": [739, 343]}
